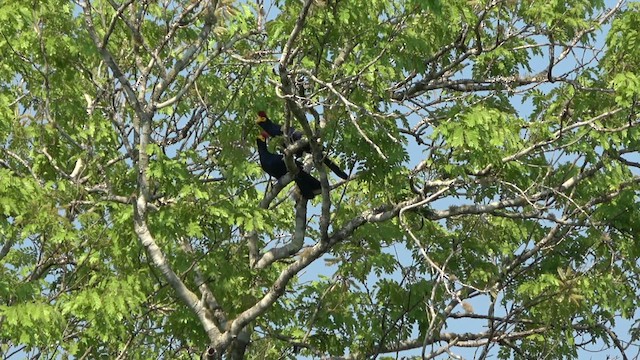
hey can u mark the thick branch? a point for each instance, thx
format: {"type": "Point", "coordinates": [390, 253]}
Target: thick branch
{"type": "Point", "coordinates": [279, 286]}
{"type": "Point", "coordinates": [296, 243]}
{"type": "Point", "coordinates": [207, 295]}
{"type": "Point", "coordinates": [187, 296]}
{"type": "Point", "coordinates": [286, 51]}
{"type": "Point", "coordinates": [111, 62]}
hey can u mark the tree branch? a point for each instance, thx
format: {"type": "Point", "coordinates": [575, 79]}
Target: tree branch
{"type": "Point", "coordinates": [296, 243]}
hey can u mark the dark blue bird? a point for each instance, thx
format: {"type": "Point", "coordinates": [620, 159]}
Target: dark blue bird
{"type": "Point", "coordinates": [274, 129]}
{"type": "Point", "coordinates": [273, 164]}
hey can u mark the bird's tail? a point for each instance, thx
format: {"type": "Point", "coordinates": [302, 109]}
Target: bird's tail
{"type": "Point", "coordinates": [335, 168]}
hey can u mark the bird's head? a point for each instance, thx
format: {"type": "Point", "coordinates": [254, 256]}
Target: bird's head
{"type": "Point", "coordinates": [262, 117]}
{"type": "Point", "coordinates": [263, 136]}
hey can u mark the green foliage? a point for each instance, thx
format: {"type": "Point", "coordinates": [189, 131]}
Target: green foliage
{"type": "Point", "coordinates": [627, 86]}
{"type": "Point", "coordinates": [623, 41]}
{"type": "Point", "coordinates": [21, 320]}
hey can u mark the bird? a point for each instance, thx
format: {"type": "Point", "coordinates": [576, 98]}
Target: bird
{"type": "Point", "coordinates": [294, 135]}
{"type": "Point", "coordinates": [273, 164]}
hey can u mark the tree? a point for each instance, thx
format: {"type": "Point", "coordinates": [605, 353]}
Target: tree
{"type": "Point", "coordinates": [494, 155]}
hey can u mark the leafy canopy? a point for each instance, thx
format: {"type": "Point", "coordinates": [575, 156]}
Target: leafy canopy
{"type": "Point", "coordinates": [493, 202]}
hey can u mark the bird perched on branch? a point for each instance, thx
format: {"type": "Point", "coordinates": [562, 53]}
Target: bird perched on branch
{"type": "Point", "coordinates": [273, 164]}
{"type": "Point", "coordinates": [274, 129]}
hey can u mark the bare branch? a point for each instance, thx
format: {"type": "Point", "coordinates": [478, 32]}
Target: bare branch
{"type": "Point", "coordinates": [160, 261]}
{"type": "Point", "coordinates": [109, 60]}
{"type": "Point", "coordinates": [297, 29]}
{"type": "Point", "coordinates": [297, 240]}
